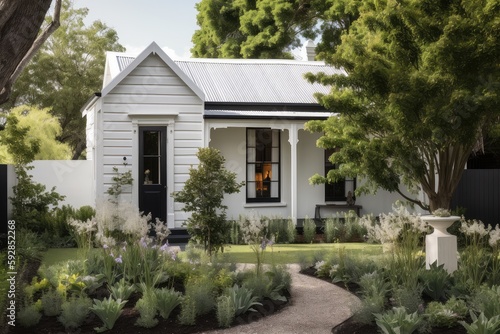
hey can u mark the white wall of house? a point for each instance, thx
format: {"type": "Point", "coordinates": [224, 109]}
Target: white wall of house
{"type": "Point", "coordinates": [72, 178]}
{"type": "Point", "coordinates": [150, 95]}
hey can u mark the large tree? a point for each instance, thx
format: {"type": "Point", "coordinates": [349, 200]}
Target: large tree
{"type": "Point", "coordinates": [268, 28]}
{"type": "Point", "coordinates": [20, 37]}
{"type": "Point", "coordinates": [31, 134]}
{"type": "Point", "coordinates": [66, 71]}
{"type": "Point", "coordinates": [421, 87]}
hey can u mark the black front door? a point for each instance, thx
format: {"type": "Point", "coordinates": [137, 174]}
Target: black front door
{"type": "Point", "coordinates": [152, 172]}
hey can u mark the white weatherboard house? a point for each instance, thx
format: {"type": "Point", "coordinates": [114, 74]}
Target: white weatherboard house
{"type": "Point", "coordinates": [154, 113]}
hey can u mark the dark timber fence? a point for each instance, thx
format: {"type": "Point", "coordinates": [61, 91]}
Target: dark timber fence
{"type": "Point", "coordinates": [479, 193]}
{"type": "Point", "coordinates": [3, 199]}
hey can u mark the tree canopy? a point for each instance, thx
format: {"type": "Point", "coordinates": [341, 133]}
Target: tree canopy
{"type": "Point", "coordinates": [30, 133]}
{"type": "Point", "coordinates": [66, 71]}
{"type": "Point", "coordinates": [268, 28]}
{"type": "Point", "coordinates": [421, 89]}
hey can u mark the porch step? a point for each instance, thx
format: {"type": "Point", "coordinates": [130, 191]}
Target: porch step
{"type": "Point", "coordinates": [178, 237]}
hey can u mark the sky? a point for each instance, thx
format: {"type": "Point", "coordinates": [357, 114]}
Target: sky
{"type": "Point", "coordinates": [169, 23]}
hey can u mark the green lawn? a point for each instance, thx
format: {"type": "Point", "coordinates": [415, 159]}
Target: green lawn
{"type": "Point", "coordinates": [278, 254]}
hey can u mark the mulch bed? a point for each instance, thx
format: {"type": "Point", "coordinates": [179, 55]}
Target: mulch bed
{"type": "Point", "coordinates": [126, 323]}
{"type": "Point", "coordinates": [349, 326]}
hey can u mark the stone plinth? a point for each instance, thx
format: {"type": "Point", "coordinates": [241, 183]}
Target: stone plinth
{"type": "Point", "coordinates": [441, 246]}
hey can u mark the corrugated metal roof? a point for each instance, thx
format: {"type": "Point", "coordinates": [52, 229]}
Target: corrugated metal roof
{"type": "Point", "coordinates": [124, 61]}
{"type": "Point", "coordinates": [251, 80]}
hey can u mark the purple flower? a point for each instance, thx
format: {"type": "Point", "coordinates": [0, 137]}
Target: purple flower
{"type": "Point", "coordinates": [119, 259]}
{"type": "Point", "coordinates": [105, 246]}
{"type": "Point", "coordinates": [164, 247]}
{"type": "Point", "coordinates": [263, 244]}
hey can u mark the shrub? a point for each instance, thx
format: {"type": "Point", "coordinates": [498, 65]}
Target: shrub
{"type": "Point", "coordinates": [147, 310]}
{"type": "Point", "coordinates": [234, 234]}
{"type": "Point", "coordinates": [108, 310]}
{"type": "Point", "coordinates": [242, 299]}
{"type": "Point", "coordinates": [436, 281]}
{"type": "Point", "coordinates": [29, 316]}
{"type": "Point", "coordinates": [85, 213]}
{"type": "Point", "coordinates": [486, 300]}
{"type": "Point", "coordinates": [482, 324]}
{"type": "Point", "coordinates": [370, 305]}
{"type": "Point", "coordinates": [122, 290]}
{"type": "Point", "coordinates": [31, 202]}
{"type": "Point", "coordinates": [225, 311]}
{"type": "Point", "coordinates": [446, 315]}
{"type": "Point", "coordinates": [309, 230]}
{"type": "Point", "coordinates": [74, 312]}
{"type": "Point", "coordinates": [201, 293]}
{"type": "Point", "coordinates": [207, 221]}
{"type": "Point", "coordinates": [329, 229]}
{"type": "Point", "coordinates": [397, 321]}
{"type": "Point", "coordinates": [166, 301]}
{"type": "Point", "coordinates": [409, 298]}
{"type": "Point", "coordinates": [52, 303]}
{"type": "Point", "coordinates": [188, 311]}
{"type": "Point", "coordinates": [291, 231]}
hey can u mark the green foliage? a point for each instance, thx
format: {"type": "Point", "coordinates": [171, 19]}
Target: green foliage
{"type": "Point", "coordinates": [446, 315]}
{"type": "Point", "coordinates": [147, 310]}
{"type": "Point", "coordinates": [119, 181]}
{"type": "Point", "coordinates": [309, 230]}
{"type": "Point", "coordinates": [234, 234]}
{"type": "Point", "coordinates": [44, 129]}
{"type": "Point", "coordinates": [203, 194]}
{"type": "Point", "coordinates": [408, 298]}
{"type": "Point", "coordinates": [201, 292]}
{"type": "Point", "coordinates": [421, 84]}
{"type": "Point", "coordinates": [76, 52]}
{"type": "Point", "coordinates": [263, 286]}
{"type": "Point", "coordinates": [108, 310]}
{"type": "Point", "coordinates": [52, 302]}
{"type": "Point", "coordinates": [486, 300]}
{"type": "Point", "coordinates": [85, 213]}
{"type": "Point", "coordinates": [291, 231]}
{"type": "Point", "coordinates": [16, 145]}
{"type": "Point", "coordinates": [330, 229]}
{"type": "Point", "coordinates": [29, 316]}
{"type": "Point", "coordinates": [74, 312]}
{"type": "Point", "coordinates": [28, 245]}
{"type": "Point", "coordinates": [242, 299]}
{"type": "Point", "coordinates": [167, 300]}
{"type": "Point", "coordinates": [269, 28]}
{"type": "Point", "coordinates": [225, 311]}
{"type": "Point", "coordinates": [374, 288]}
{"type": "Point", "coordinates": [122, 290]}
{"type": "Point", "coordinates": [31, 202]}
{"type": "Point", "coordinates": [398, 321]}
{"type": "Point", "coordinates": [482, 325]}
{"type": "Point", "coordinates": [188, 311]}
{"type": "Point", "coordinates": [436, 281]}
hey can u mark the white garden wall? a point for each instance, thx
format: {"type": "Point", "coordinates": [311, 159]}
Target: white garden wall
{"type": "Point", "coordinates": [72, 178]}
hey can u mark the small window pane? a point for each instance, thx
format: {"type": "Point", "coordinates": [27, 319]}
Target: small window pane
{"type": "Point", "coordinates": [151, 143]}
{"type": "Point", "coordinates": [151, 170]}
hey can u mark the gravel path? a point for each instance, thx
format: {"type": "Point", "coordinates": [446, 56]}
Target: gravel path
{"type": "Point", "coordinates": [317, 306]}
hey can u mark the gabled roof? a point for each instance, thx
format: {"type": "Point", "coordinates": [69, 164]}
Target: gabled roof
{"type": "Point", "coordinates": [119, 66]}
{"type": "Point", "coordinates": [247, 81]}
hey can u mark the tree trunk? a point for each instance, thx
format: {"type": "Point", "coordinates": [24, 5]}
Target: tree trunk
{"type": "Point", "coordinates": [20, 22]}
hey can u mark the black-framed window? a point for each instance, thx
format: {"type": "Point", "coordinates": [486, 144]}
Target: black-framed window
{"type": "Point", "coordinates": [337, 191]}
{"type": "Point", "coordinates": [263, 165]}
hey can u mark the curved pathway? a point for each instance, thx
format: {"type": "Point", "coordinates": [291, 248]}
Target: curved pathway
{"type": "Point", "coordinates": [316, 307]}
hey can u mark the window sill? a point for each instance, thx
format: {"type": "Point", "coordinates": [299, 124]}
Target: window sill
{"type": "Point", "coordinates": [265, 205]}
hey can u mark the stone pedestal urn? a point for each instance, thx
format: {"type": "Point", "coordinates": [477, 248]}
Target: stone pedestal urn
{"type": "Point", "coordinates": [441, 246]}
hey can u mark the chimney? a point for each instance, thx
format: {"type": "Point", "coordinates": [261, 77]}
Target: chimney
{"type": "Point", "coordinates": [310, 48]}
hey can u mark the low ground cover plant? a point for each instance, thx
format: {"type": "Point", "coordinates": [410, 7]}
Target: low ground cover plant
{"type": "Point", "coordinates": [399, 295]}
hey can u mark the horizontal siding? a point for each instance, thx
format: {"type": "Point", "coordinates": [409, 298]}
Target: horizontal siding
{"type": "Point", "coordinates": [151, 88]}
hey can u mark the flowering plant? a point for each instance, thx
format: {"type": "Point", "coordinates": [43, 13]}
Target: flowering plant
{"type": "Point", "coordinates": [254, 229]}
